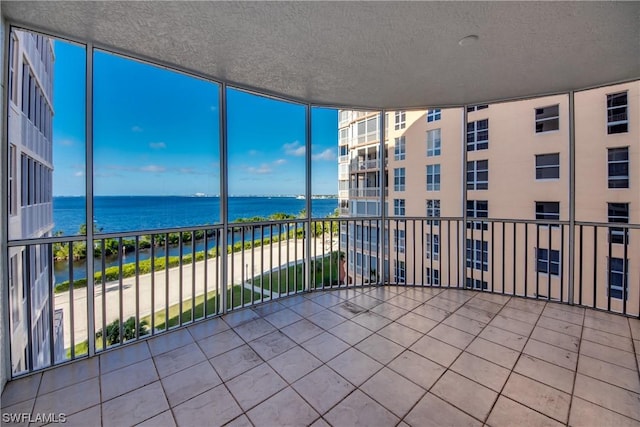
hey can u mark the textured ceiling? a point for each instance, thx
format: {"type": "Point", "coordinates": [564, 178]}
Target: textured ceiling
{"type": "Point", "coordinates": [366, 54]}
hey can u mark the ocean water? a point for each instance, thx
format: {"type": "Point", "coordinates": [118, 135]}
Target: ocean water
{"type": "Point", "coordinates": [128, 213]}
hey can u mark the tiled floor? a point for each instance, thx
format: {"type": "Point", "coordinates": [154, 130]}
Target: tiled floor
{"type": "Point", "coordinates": [368, 357]}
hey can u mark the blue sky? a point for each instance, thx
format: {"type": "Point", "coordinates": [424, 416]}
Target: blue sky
{"type": "Point", "coordinates": [156, 132]}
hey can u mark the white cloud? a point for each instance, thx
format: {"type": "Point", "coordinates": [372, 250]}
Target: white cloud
{"type": "Point", "coordinates": [67, 142]}
{"type": "Point", "coordinates": [280, 162]}
{"type": "Point", "coordinates": [79, 173]}
{"type": "Point", "coordinates": [328, 154]}
{"type": "Point", "coordinates": [136, 129]}
{"type": "Point", "coordinates": [153, 169]}
{"type": "Point", "coordinates": [157, 145]}
{"type": "Point", "coordinates": [253, 152]}
{"type": "Point", "coordinates": [294, 149]}
{"type": "Point", "coordinates": [263, 169]}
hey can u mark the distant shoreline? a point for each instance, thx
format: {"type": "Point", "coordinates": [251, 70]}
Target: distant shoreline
{"type": "Point", "coordinates": [315, 196]}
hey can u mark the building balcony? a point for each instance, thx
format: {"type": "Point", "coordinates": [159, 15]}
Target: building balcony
{"type": "Point", "coordinates": [364, 165]}
{"type": "Point", "coordinates": [300, 346]}
{"type": "Point", "coordinates": [365, 192]}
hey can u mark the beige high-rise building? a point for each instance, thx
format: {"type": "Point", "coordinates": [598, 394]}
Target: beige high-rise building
{"type": "Point", "coordinates": [501, 182]}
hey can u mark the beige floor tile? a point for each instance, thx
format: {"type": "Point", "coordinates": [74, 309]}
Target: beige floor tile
{"type": "Point", "coordinates": [326, 319]}
{"type": "Point", "coordinates": [294, 364]}
{"type": "Point", "coordinates": [169, 341]}
{"type": "Point", "coordinates": [268, 308]}
{"type": "Point", "coordinates": [432, 411]}
{"type": "Point", "coordinates": [272, 344]}
{"type": "Point", "coordinates": [302, 331]}
{"type": "Point", "coordinates": [307, 308]}
{"type": "Point", "coordinates": [164, 419]}
{"type": "Point", "coordinates": [531, 306]}
{"type": "Point", "coordinates": [365, 301]}
{"type": "Point", "coordinates": [551, 354]}
{"type": "Point", "coordinates": [611, 397]}
{"type": "Point", "coordinates": [350, 332]}
{"type": "Point", "coordinates": [587, 414]}
{"type": "Point", "coordinates": [241, 421]}
{"type": "Point", "coordinates": [608, 354]}
{"type": "Point", "coordinates": [421, 294]}
{"type": "Point", "coordinates": [347, 309]}
{"type": "Point", "coordinates": [545, 372]}
{"type": "Point", "coordinates": [507, 413]}
{"type": "Point", "coordinates": [254, 329]}
{"type": "Point", "coordinates": [20, 390]}
{"type": "Point", "coordinates": [326, 299]}
{"type": "Point", "coordinates": [235, 362]}
{"type": "Point", "coordinates": [404, 301]}
{"type": "Point", "coordinates": [552, 311]}
{"type": "Point", "coordinates": [634, 325]}
{"type": "Point", "coordinates": [176, 360]}
{"type": "Point", "coordinates": [475, 313]}
{"type": "Point", "coordinates": [323, 388]}
{"type": "Point", "coordinates": [14, 413]}
{"type": "Point", "coordinates": [620, 320]}
{"type": "Point", "coordinates": [431, 312]}
{"type": "Point", "coordinates": [542, 398]}
{"type": "Point", "coordinates": [451, 336]}
{"type": "Point", "coordinates": [134, 407]}
{"type": "Point", "coordinates": [220, 343]}
{"type": "Point", "coordinates": [69, 400]}
{"type": "Point", "coordinates": [213, 407]}
{"type": "Point", "coordinates": [512, 325]}
{"type": "Point", "coordinates": [557, 339]}
{"type": "Point", "coordinates": [255, 385]}
{"type": "Point", "coordinates": [325, 346]}
{"type": "Point", "coordinates": [493, 352]}
{"type": "Point", "coordinates": [481, 371]}
{"type": "Point", "coordinates": [436, 350]}
{"type": "Point", "coordinates": [320, 422]}
{"type": "Point", "coordinates": [483, 304]}
{"type": "Point", "coordinates": [521, 315]}
{"type": "Point", "coordinates": [560, 326]}
{"type": "Point", "coordinates": [125, 356]}
{"type": "Point", "coordinates": [393, 391]}
{"type": "Point", "coordinates": [237, 318]}
{"type": "Point", "coordinates": [207, 328]}
{"type": "Point", "coordinates": [611, 326]}
{"type": "Point", "coordinates": [471, 397]}
{"type": "Point", "coordinates": [609, 373]}
{"type": "Point", "coordinates": [417, 322]}
{"type": "Point", "coordinates": [293, 300]}
{"type": "Point", "coordinates": [126, 379]}
{"type": "Point", "coordinates": [190, 382]}
{"type": "Point", "coordinates": [283, 318]}
{"type": "Point", "coordinates": [604, 338]}
{"type": "Point", "coordinates": [371, 321]}
{"type": "Point", "coordinates": [70, 374]}
{"type": "Point", "coordinates": [380, 348]}
{"type": "Point", "coordinates": [444, 303]}
{"type": "Point", "coordinates": [465, 324]}
{"type": "Point", "coordinates": [389, 311]}
{"type": "Point", "coordinates": [358, 409]}
{"type": "Point", "coordinates": [462, 295]}
{"type": "Point", "coordinates": [355, 366]}
{"type": "Point", "coordinates": [504, 338]}
{"type": "Point", "coordinates": [286, 408]}
{"type": "Point", "coordinates": [416, 368]}
{"type": "Point", "coordinates": [87, 418]}
{"type": "Point", "coordinates": [400, 334]}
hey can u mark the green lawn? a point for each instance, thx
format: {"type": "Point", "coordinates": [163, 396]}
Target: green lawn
{"type": "Point", "coordinates": [291, 279]}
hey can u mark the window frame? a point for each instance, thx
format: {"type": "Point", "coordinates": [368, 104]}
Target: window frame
{"type": "Point", "coordinates": [618, 235]}
{"type": "Point", "coordinates": [540, 168]}
{"type": "Point", "coordinates": [541, 119]}
{"type": "Point", "coordinates": [617, 181]}
{"type": "Point", "coordinates": [548, 262]}
{"type": "Point", "coordinates": [473, 135]}
{"type": "Point", "coordinates": [400, 148]}
{"type": "Point", "coordinates": [399, 179]}
{"type": "Point", "coordinates": [399, 207]}
{"type": "Point", "coordinates": [433, 210]}
{"type": "Point", "coordinates": [477, 254]}
{"type": "Point", "coordinates": [432, 246]}
{"type": "Point", "coordinates": [400, 119]}
{"type": "Point", "coordinates": [474, 211]}
{"type": "Point", "coordinates": [434, 115]}
{"type": "Point", "coordinates": [623, 274]}
{"type": "Point", "coordinates": [474, 171]}
{"type": "Point", "coordinates": [622, 123]}
{"type": "Point", "coordinates": [433, 177]}
{"type": "Point", "coordinates": [434, 145]}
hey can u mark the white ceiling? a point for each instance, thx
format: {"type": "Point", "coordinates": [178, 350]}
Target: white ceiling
{"type": "Point", "coordinates": [366, 54]}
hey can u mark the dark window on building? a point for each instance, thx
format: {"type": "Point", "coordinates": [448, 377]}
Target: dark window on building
{"type": "Point", "coordinates": [547, 119]}
{"type": "Point", "coordinates": [548, 166]}
{"type": "Point", "coordinates": [618, 166]}
{"type": "Point", "coordinates": [617, 120]}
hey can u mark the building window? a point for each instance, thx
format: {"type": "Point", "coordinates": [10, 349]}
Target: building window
{"type": "Point", "coordinates": [13, 67]}
{"type": "Point", "coordinates": [475, 284]}
{"type": "Point", "coordinates": [548, 210]}
{"type": "Point", "coordinates": [547, 118]}
{"type": "Point", "coordinates": [399, 149]}
{"type": "Point", "coordinates": [400, 271]}
{"type": "Point", "coordinates": [618, 212]}
{"type": "Point", "coordinates": [617, 121]}
{"type": "Point", "coordinates": [478, 175]}
{"type": "Point", "coordinates": [478, 135]}
{"type": "Point", "coordinates": [548, 166]}
{"type": "Point", "coordinates": [399, 240]}
{"type": "Point", "coordinates": [618, 278]}
{"type": "Point", "coordinates": [433, 143]}
{"type": "Point", "coordinates": [433, 115]}
{"type": "Point", "coordinates": [367, 130]}
{"type": "Point", "coordinates": [398, 179]}
{"type": "Point", "coordinates": [14, 290]}
{"type": "Point", "coordinates": [548, 262]}
{"type": "Point", "coordinates": [432, 248]}
{"type": "Point", "coordinates": [400, 119]}
{"type": "Point", "coordinates": [398, 207]}
{"type": "Point", "coordinates": [477, 209]}
{"type": "Point", "coordinates": [477, 252]}
{"type": "Point", "coordinates": [12, 180]}
{"type": "Point", "coordinates": [433, 210]}
{"type": "Point", "coordinates": [618, 163]}
{"type": "Point", "coordinates": [432, 276]}
{"type": "Point", "coordinates": [473, 108]}
{"type": "Point", "coordinates": [433, 177]}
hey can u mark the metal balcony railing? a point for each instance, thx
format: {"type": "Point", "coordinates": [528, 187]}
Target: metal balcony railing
{"type": "Point", "coordinates": [365, 192]}
{"type": "Point", "coordinates": [148, 282]}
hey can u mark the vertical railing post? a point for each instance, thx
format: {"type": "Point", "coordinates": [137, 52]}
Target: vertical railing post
{"type": "Point", "coordinates": [463, 239]}
{"type": "Point", "coordinates": [383, 197]}
{"type": "Point", "coordinates": [572, 197]}
{"type": "Point", "coordinates": [224, 194]}
{"type": "Point", "coordinates": [89, 201]}
{"type": "Point", "coordinates": [307, 225]}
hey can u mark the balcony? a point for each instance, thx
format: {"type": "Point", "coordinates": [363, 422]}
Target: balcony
{"type": "Point", "coordinates": [358, 165]}
{"type": "Point", "coordinates": [364, 192]}
{"type": "Point", "coordinates": [332, 347]}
